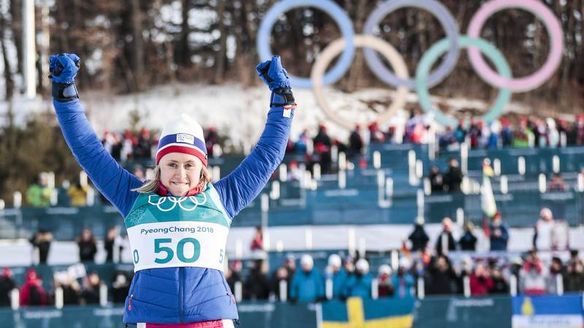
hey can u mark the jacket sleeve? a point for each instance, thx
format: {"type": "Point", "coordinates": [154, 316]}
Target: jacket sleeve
{"type": "Point", "coordinates": [243, 185]}
{"type": "Point", "coordinates": [113, 181]}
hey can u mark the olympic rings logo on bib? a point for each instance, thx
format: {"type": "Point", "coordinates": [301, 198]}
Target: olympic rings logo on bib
{"type": "Point", "coordinates": [167, 204]}
{"type": "Point", "coordinates": [424, 79]}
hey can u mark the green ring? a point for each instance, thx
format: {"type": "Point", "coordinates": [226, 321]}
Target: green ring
{"type": "Point", "coordinates": [440, 48]}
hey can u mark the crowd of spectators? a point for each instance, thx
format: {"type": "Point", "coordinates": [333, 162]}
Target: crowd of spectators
{"type": "Point", "coordinates": [76, 288]}
{"type": "Point", "coordinates": [437, 274]}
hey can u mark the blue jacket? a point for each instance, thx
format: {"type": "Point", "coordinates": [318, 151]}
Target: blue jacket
{"type": "Point", "coordinates": [499, 243]}
{"type": "Point", "coordinates": [359, 286]}
{"type": "Point", "coordinates": [338, 279]}
{"type": "Point", "coordinates": [175, 295]}
{"type": "Point", "coordinates": [306, 286]}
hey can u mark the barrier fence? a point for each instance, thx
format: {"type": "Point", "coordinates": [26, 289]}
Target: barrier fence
{"type": "Point", "coordinates": [431, 312]}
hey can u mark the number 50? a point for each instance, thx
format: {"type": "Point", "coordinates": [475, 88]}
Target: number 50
{"type": "Point", "coordinates": [180, 250]}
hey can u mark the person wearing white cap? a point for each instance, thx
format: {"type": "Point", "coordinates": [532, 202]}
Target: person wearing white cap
{"type": "Point", "coordinates": [178, 222]}
{"type": "Point", "coordinates": [307, 283]}
{"type": "Point", "coordinates": [359, 284]}
{"type": "Point", "coordinates": [337, 275]}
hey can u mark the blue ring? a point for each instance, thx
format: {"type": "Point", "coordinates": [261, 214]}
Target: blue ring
{"type": "Point", "coordinates": [336, 13]}
{"type": "Point", "coordinates": [446, 20]}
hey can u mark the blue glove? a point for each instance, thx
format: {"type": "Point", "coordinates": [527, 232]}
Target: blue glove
{"type": "Point", "coordinates": [273, 74]}
{"type": "Point", "coordinates": [63, 68]}
{"type": "Point", "coordinates": [276, 77]}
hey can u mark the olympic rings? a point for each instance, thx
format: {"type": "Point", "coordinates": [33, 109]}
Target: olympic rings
{"type": "Point", "coordinates": [336, 13]}
{"type": "Point", "coordinates": [465, 42]}
{"type": "Point", "coordinates": [330, 52]}
{"type": "Point", "coordinates": [424, 78]}
{"type": "Point", "coordinates": [448, 24]}
{"type": "Point", "coordinates": [554, 30]}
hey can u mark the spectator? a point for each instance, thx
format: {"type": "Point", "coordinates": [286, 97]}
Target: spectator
{"type": "Point", "coordinates": [447, 141]}
{"type": "Point", "coordinates": [556, 183]}
{"type": "Point", "coordinates": [375, 135]}
{"type": "Point", "coordinates": [39, 194]}
{"type": "Point", "coordinates": [533, 275]}
{"type": "Point", "coordinates": [355, 143]}
{"type": "Point", "coordinates": [558, 207]}
{"type": "Point", "coordinates": [233, 274]}
{"type": "Point", "coordinates": [90, 291]}
{"type": "Point", "coordinates": [460, 132]}
{"type": "Point", "coordinates": [359, 284]}
{"type": "Point", "coordinates": [466, 270]}
{"type": "Point", "coordinates": [143, 147]}
{"type": "Point", "coordinates": [7, 284]}
{"type": "Point", "coordinates": [384, 281]}
{"type": "Point", "coordinates": [337, 275]}
{"type": "Point", "coordinates": [480, 281]}
{"type": "Point", "coordinates": [402, 281]}
{"type": "Point", "coordinates": [301, 145]}
{"type": "Point", "coordinates": [257, 243]}
{"type": "Point", "coordinates": [70, 287]}
{"type": "Point", "coordinates": [549, 234]}
{"type": "Point", "coordinates": [294, 172]}
{"type": "Point", "coordinates": [113, 240]}
{"type": "Point", "coordinates": [445, 241]}
{"type": "Point", "coordinates": [436, 179]}
{"type": "Point", "coordinates": [322, 149]}
{"type": "Point", "coordinates": [500, 285]}
{"type": "Point", "coordinates": [212, 141]}
{"type": "Point", "coordinates": [522, 136]}
{"type": "Point", "coordinates": [453, 176]}
{"type": "Point", "coordinates": [257, 285]}
{"type": "Point", "coordinates": [440, 277]}
{"type": "Point", "coordinates": [32, 292]}
{"type": "Point", "coordinates": [307, 284]}
{"type": "Point", "coordinates": [574, 280]}
{"type": "Point", "coordinates": [498, 233]}
{"type": "Point", "coordinates": [41, 240]}
{"type": "Point", "coordinates": [87, 246]}
{"type": "Point", "coordinates": [556, 272]}
{"type": "Point", "coordinates": [281, 274]}
{"type": "Point", "coordinates": [468, 241]}
{"type": "Point", "coordinates": [120, 287]}
{"type": "Point", "coordinates": [78, 194]}
{"type": "Point", "coordinates": [349, 266]}
{"type": "Point", "coordinates": [506, 133]}
{"type": "Point", "coordinates": [419, 238]}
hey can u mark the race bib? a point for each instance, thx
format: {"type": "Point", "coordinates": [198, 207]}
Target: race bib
{"type": "Point", "coordinates": [178, 244]}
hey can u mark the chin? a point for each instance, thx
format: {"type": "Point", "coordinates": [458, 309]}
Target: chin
{"type": "Point", "coordinates": [179, 193]}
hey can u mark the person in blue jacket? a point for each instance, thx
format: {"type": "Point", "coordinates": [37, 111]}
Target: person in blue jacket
{"type": "Point", "coordinates": [336, 274]}
{"type": "Point", "coordinates": [359, 284]}
{"type": "Point", "coordinates": [178, 222]}
{"type": "Point", "coordinates": [307, 284]}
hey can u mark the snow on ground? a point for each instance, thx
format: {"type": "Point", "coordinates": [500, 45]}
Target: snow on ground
{"type": "Point", "coordinates": [236, 111]}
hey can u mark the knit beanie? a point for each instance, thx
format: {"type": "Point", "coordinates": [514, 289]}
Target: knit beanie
{"type": "Point", "coordinates": [182, 135]}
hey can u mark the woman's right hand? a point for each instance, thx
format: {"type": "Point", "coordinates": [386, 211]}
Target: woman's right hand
{"type": "Point", "coordinates": [63, 68]}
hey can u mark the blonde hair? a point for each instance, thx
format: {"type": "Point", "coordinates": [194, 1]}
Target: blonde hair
{"type": "Point", "coordinates": [154, 184]}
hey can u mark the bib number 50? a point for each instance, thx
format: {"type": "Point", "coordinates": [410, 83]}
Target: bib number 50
{"type": "Point", "coordinates": [161, 245]}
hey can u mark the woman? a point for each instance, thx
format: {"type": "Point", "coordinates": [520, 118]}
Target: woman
{"type": "Point", "coordinates": [178, 222]}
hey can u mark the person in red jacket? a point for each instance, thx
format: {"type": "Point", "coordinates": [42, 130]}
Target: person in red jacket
{"type": "Point", "coordinates": [32, 292]}
{"type": "Point", "coordinates": [480, 281]}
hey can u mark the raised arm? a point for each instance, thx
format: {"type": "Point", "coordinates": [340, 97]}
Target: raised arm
{"type": "Point", "coordinates": [113, 181]}
{"type": "Point", "coordinates": [240, 187]}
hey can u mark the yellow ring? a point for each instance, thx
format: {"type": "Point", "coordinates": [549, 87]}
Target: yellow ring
{"type": "Point", "coordinates": [333, 50]}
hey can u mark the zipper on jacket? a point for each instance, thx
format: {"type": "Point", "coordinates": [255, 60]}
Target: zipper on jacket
{"type": "Point", "coordinates": [180, 293]}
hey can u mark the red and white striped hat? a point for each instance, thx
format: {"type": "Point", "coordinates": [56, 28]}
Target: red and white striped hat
{"type": "Point", "coordinates": [182, 135]}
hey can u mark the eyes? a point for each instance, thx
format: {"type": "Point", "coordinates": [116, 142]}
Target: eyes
{"type": "Point", "coordinates": [187, 166]}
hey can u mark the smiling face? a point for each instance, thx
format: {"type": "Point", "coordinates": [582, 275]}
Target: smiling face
{"type": "Point", "coordinates": [180, 172]}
